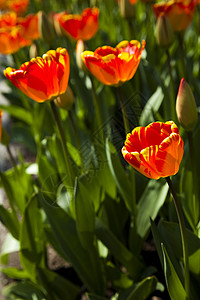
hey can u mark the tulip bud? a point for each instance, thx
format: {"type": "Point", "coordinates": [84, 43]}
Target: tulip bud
{"type": "Point", "coordinates": [65, 100]}
{"type": "Point", "coordinates": [126, 9]}
{"type": "Point", "coordinates": [33, 51]}
{"type": "Point", "coordinates": [186, 108]}
{"type": "Point", "coordinates": [164, 32]}
{"type": "Point", "coordinates": [80, 47]}
{"type": "Point", "coordinates": [45, 27]}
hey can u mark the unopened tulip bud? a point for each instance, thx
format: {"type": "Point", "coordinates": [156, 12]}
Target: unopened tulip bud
{"type": "Point", "coordinates": [33, 51]}
{"type": "Point", "coordinates": [186, 108]}
{"type": "Point", "coordinates": [164, 32]}
{"type": "Point", "coordinates": [65, 100]}
{"type": "Point", "coordinates": [45, 27]}
{"type": "Point", "coordinates": [126, 9]}
{"type": "Point", "coordinates": [80, 47]}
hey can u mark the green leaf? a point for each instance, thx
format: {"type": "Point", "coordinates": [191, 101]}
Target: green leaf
{"type": "Point", "coordinates": [23, 291]}
{"type": "Point", "coordinates": [64, 238]}
{"type": "Point", "coordinates": [18, 113]}
{"type": "Point", "coordinates": [159, 239]}
{"type": "Point", "coordinates": [153, 104]}
{"type": "Point", "coordinates": [95, 297]}
{"type": "Point", "coordinates": [10, 220]}
{"type": "Point", "coordinates": [32, 241]}
{"type": "Point", "coordinates": [10, 245]}
{"type": "Point", "coordinates": [141, 290]}
{"type": "Point", "coordinates": [174, 285]}
{"type": "Point", "coordinates": [85, 215]}
{"type": "Point", "coordinates": [14, 273]}
{"type": "Point", "coordinates": [57, 286]}
{"type": "Point", "coordinates": [149, 205]}
{"type": "Point", "coordinates": [75, 154]}
{"type": "Point", "coordinates": [18, 186]}
{"type": "Point", "coordinates": [119, 175]}
{"type": "Point", "coordinates": [120, 252]}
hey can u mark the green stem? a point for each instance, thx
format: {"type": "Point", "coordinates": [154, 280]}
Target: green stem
{"type": "Point", "coordinates": [182, 56]}
{"type": "Point", "coordinates": [98, 112]}
{"type": "Point", "coordinates": [183, 236]}
{"type": "Point", "coordinates": [63, 141]}
{"type": "Point", "coordinates": [194, 175]}
{"type": "Point", "coordinates": [123, 108]}
{"type": "Point", "coordinates": [76, 138]}
{"type": "Point", "coordinates": [13, 162]}
{"type": "Point", "coordinates": [172, 88]}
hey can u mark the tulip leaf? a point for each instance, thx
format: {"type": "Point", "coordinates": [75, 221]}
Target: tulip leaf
{"type": "Point", "coordinates": [10, 220]}
{"type": "Point", "coordinates": [14, 273]}
{"type": "Point", "coordinates": [66, 242]}
{"type": "Point", "coordinates": [32, 242]}
{"type": "Point", "coordinates": [174, 285]}
{"type": "Point", "coordinates": [149, 205]}
{"type": "Point", "coordinates": [153, 104]}
{"type": "Point", "coordinates": [119, 175]}
{"type": "Point", "coordinates": [57, 286]}
{"type": "Point", "coordinates": [141, 290]}
{"type": "Point", "coordinates": [85, 215]}
{"type": "Point", "coordinates": [10, 245]}
{"type": "Point", "coordinates": [120, 252]}
{"type": "Point", "coordinates": [18, 113]}
{"type": "Point", "coordinates": [95, 297]}
{"type": "Point", "coordinates": [24, 290]}
{"type": "Point", "coordinates": [159, 240]}
{"type": "Point", "coordinates": [19, 193]}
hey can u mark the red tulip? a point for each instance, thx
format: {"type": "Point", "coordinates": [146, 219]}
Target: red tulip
{"type": "Point", "coordinates": [155, 151]}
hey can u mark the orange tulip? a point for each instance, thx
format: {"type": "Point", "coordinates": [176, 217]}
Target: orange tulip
{"type": "Point", "coordinates": [18, 6]}
{"type": "Point", "coordinates": [156, 150]}
{"type": "Point", "coordinates": [43, 78]}
{"type": "Point", "coordinates": [83, 26]}
{"type": "Point", "coordinates": [132, 1]}
{"type": "Point", "coordinates": [113, 66]}
{"type": "Point", "coordinates": [8, 20]}
{"type": "Point", "coordinates": [1, 113]}
{"type": "Point", "coordinates": [179, 13]}
{"type": "Point", "coordinates": [11, 39]}
{"type": "Point", "coordinates": [30, 26]}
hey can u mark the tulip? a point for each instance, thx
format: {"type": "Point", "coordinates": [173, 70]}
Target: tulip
{"type": "Point", "coordinates": [186, 108]}
{"type": "Point", "coordinates": [42, 78]}
{"type": "Point", "coordinates": [83, 26]}
{"type": "Point", "coordinates": [179, 13]}
{"type": "Point", "coordinates": [30, 26]}
{"type": "Point", "coordinates": [114, 66]}
{"type": "Point", "coordinates": [156, 150]}
{"type": "Point", "coordinates": [18, 6]}
{"type": "Point", "coordinates": [11, 39]}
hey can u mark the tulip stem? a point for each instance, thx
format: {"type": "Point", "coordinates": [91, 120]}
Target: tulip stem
{"type": "Point", "coordinates": [63, 141]}
{"type": "Point", "coordinates": [76, 138]}
{"type": "Point", "coordinates": [183, 235]}
{"type": "Point", "coordinates": [181, 48]}
{"type": "Point", "coordinates": [194, 174]}
{"type": "Point", "coordinates": [13, 162]}
{"type": "Point", "coordinates": [124, 112]}
{"type": "Point", "coordinates": [98, 112]}
{"type": "Point", "coordinates": [172, 87]}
